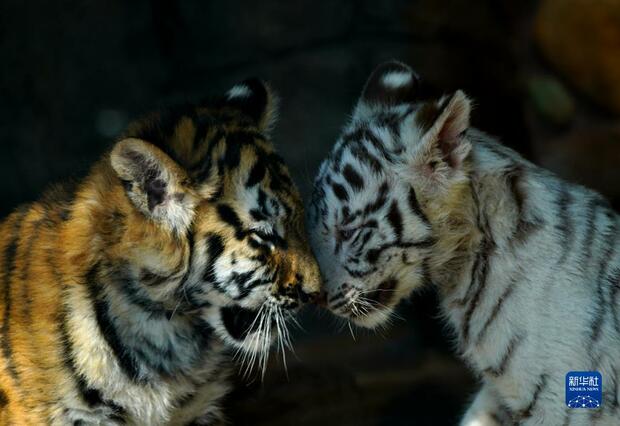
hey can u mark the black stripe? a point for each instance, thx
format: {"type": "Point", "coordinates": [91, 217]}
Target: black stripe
{"type": "Point", "coordinates": [4, 399]}
{"type": "Point", "coordinates": [185, 400]}
{"type": "Point", "coordinates": [232, 156]}
{"type": "Point", "coordinates": [202, 124]}
{"type": "Point", "coordinates": [479, 254]}
{"type": "Point", "coordinates": [500, 369]}
{"type": "Point", "coordinates": [340, 192]}
{"type": "Point", "coordinates": [513, 178]}
{"type": "Point", "coordinates": [609, 249]}
{"type": "Point", "coordinates": [108, 329]}
{"type": "Point", "coordinates": [152, 279]}
{"type": "Point", "coordinates": [273, 238]}
{"type": "Point", "coordinates": [607, 254]}
{"type": "Point", "coordinates": [379, 201]}
{"type": "Point", "coordinates": [360, 274]}
{"type": "Point", "coordinates": [26, 297]}
{"type": "Point", "coordinates": [613, 280]}
{"type": "Point", "coordinates": [358, 232]}
{"type": "Point", "coordinates": [262, 201]}
{"type": "Point", "coordinates": [565, 225]}
{"type": "Point", "coordinates": [228, 215]}
{"type": "Point", "coordinates": [135, 294]}
{"type": "Point", "coordinates": [396, 220]}
{"type": "Point", "coordinates": [364, 134]}
{"type": "Point", "coordinates": [616, 402]}
{"type": "Point", "coordinates": [190, 243]}
{"type": "Point", "coordinates": [393, 120]}
{"type": "Point", "coordinates": [203, 171]}
{"type": "Point", "coordinates": [34, 236]}
{"type": "Point", "coordinates": [91, 396]}
{"type": "Point", "coordinates": [215, 248]}
{"type": "Point", "coordinates": [347, 216]}
{"type": "Point", "coordinates": [257, 173]}
{"type": "Point", "coordinates": [527, 412]}
{"type": "Point", "coordinates": [279, 178]}
{"type": "Point", "coordinates": [591, 229]}
{"type": "Point", "coordinates": [257, 215]}
{"type": "Point", "coordinates": [498, 306]}
{"type": "Point", "coordinates": [362, 154]}
{"type": "Point", "coordinates": [241, 280]}
{"type": "Point", "coordinates": [479, 275]}
{"type": "Point", "coordinates": [367, 235]}
{"type": "Point", "coordinates": [10, 253]}
{"type": "Point", "coordinates": [414, 205]}
{"type": "Point", "coordinates": [523, 227]}
{"type": "Point", "coordinates": [353, 177]}
{"type": "Point", "coordinates": [373, 255]}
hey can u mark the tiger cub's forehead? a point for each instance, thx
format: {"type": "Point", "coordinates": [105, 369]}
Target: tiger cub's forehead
{"type": "Point", "coordinates": [212, 144]}
{"type": "Point", "coordinates": [230, 164]}
{"type": "Point", "coordinates": [378, 135]}
{"type": "Point", "coordinates": [370, 155]}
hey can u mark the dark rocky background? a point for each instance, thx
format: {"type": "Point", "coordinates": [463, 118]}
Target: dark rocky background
{"type": "Point", "coordinates": [545, 76]}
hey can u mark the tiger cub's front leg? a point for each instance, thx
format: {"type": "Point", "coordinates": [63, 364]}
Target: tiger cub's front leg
{"type": "Point", "coordinates": [202, 407]}
{"type": "Point", "coordinates": [486, 410]}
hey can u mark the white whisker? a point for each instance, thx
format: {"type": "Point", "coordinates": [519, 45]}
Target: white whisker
{"type": "Point", "coordinates": [351, 329]}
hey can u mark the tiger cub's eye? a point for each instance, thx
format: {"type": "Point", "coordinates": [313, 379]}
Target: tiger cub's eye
{"type": "Point", "coordinates": [346, 234]}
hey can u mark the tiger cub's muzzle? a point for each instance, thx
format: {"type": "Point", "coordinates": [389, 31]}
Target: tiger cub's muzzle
{"type": "Point", "coordinates": [298, 279]}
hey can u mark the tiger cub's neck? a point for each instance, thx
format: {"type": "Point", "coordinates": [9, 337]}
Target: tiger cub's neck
{"type": "Point", "coordinates": [492, 234]}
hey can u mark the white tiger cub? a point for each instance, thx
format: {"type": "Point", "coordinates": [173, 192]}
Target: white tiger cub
{"type": "Point", "coordinates": [527, 266]}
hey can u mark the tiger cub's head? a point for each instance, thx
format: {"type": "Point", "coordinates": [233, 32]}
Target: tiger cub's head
{"type": "Point", "coordinates": [203, 221]}
{"type": "Point", "coordinates": [380, 194]}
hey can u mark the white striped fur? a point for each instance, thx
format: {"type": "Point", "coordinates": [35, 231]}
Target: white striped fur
{"type": "Point", "coordinates": [527, 265]}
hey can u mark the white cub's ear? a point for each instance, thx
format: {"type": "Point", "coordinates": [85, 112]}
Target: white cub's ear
{"type": "Point", "coordinates": [442, 126]}
{"type": "Point", "coordinates": [257, 100]}
{"type": "Point", "coordinates": [154, 183]}
{"type": "Point", "coordinates": [391, 83]}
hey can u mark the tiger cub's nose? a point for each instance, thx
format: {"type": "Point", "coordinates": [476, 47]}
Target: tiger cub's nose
{"type": "Point", "coordinates": [296, 288]}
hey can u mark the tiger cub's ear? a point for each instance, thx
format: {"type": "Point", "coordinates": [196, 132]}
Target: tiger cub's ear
{"type": "Point", "coordinates": [154, 183]}
{"type": "Point", "coordinates": [391, 83]}
{"type": "Point", "coordinates": [255, 99]}
{"type": "Point", "coordinates": [443, 146]}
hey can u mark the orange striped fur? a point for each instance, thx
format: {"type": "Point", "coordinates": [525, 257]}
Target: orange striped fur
{"type": "Point", "coordinates": [120, 295]}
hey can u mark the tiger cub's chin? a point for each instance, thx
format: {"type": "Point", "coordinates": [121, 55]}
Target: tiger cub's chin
{"type": "Point", "coordinates": [369, 306]}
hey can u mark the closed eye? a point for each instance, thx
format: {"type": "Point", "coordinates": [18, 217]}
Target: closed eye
{"type": "Point", "coordinates": [259, 242]}
{"type": "Point", "coordinates": [269, 240]}
{"type": "Point", "coordinates": [347, 234]}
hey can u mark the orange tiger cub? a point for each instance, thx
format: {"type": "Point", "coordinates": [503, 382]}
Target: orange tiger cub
{"type": "Point", "coordinates": [121, 296]}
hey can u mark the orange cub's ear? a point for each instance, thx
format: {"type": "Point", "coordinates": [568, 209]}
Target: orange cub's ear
{"type": "Point", "coordinates": [255, 99]}
{"type": "Point", "coordinates": [154, 183]}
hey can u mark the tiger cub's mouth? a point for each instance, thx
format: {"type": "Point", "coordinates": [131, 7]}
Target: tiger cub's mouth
{"type": "Point", "coordinates": [253, 331]}
{"type": "Point", "coordinates": [366, 308]}
{"type": "Point", "coordinates": [238, 320]}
